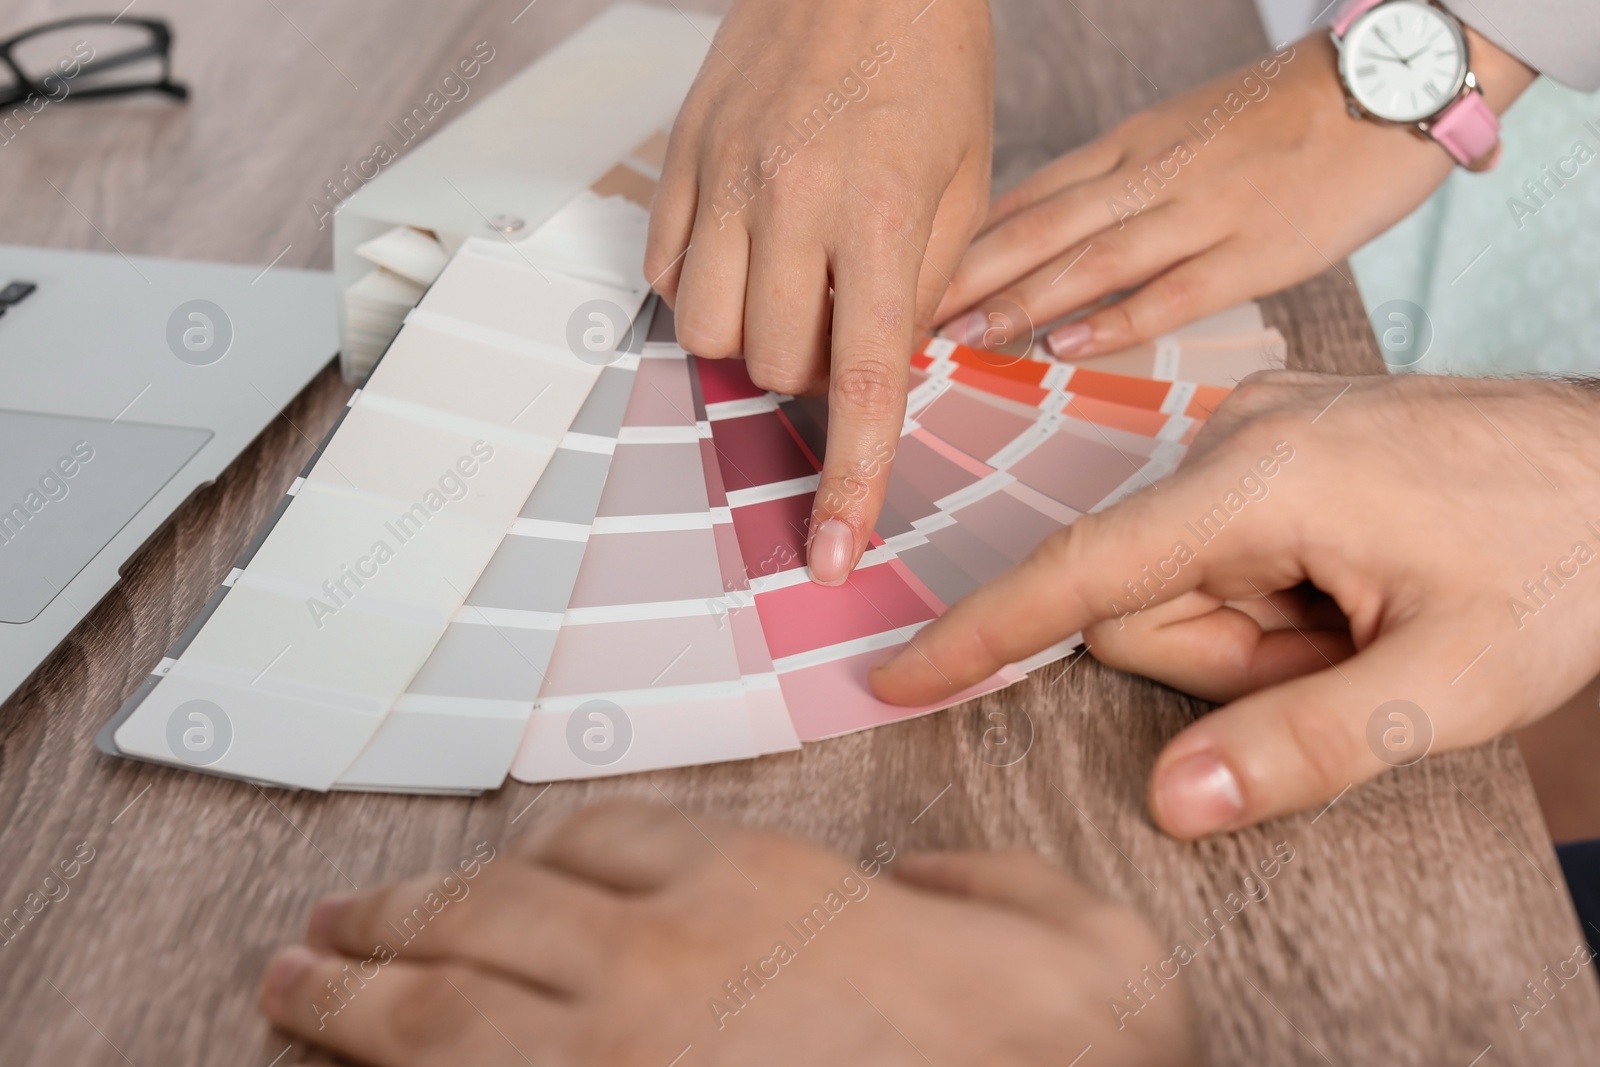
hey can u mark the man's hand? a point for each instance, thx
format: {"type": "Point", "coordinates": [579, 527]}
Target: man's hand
{"type": "Point", "coordinates": [1328, 547]}
{"type": "Point", "coordinates": [824, 176]}
{"type": "Point", "coordinates": [1253, 182]}
{"type": "Point", "coordinates": [629, 940]}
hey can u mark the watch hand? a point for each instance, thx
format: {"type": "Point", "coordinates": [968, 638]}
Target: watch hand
{"type": "Point", "coordinates": [1378, 32]}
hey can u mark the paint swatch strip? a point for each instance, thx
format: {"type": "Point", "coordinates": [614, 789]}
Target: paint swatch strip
{"type": "Point", "coordinates": [1213, 360]}
{"type": "Point", "coordinates": [321, 629]}
{"type": "Point", "coordinates": [459, 724]}
{"type": "Point", "coordinates": [646, 672]}
{"type": "Point", "coordinates": [771, 723]}
{"type": "Point", "coordinates": [1086, 457]}
{"type": "Point", "coordinates": [1043, 385]}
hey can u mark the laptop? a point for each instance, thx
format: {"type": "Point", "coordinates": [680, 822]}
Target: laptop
{"type": "Point", "coordinates": [126, 383]}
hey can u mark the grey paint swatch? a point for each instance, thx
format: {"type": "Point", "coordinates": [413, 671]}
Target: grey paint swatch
{"type": "Point", "coordinates": [570, 488]}
{"type": "Point", "coordinates": [529, 574]}
{"type": "Point", "coordinates": [487, 662]}
{"type": "Point", "coordinates": [601, 414]}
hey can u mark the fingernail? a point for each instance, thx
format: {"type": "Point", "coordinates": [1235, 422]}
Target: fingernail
{"type": "Point", "coordinates": [286, 969]}
{"type": "Point", "coordinates": [832, 551]}
{"type": "Point", "coordinates": [876, 676]}
{"type": "Point", "coordinates": [965, 330]}
{"type": "Point", "coordinates": [1198, 795]}
{"type": "Point", "coordinates": [325, 914]}
{"type": "Point", "coordinates": [1069, 338]}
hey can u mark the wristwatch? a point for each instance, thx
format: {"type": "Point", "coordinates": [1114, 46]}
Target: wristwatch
{"type": "Point", "coordinates": [1406, 63]}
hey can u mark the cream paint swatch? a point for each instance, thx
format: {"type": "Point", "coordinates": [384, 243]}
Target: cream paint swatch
{"type": "Point", "coordinates": [407, 252]}
{"type": "Point", "coordinates": [324, 627]}
{"type": "Point", "coordinates": [458, 726]}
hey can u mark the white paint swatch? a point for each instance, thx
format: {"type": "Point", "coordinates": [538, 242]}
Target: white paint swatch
{"type": "Point", "coordinates": [312, 648]}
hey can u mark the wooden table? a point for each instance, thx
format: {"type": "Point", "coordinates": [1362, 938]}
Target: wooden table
{"type": "Point", "coordinates": [1413, 912]}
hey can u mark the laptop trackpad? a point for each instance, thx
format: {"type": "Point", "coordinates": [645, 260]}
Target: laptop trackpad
{"type": "Point", "coordinates": [67, 485]}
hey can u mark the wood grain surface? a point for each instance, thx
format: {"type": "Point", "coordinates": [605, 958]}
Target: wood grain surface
{"type": "Point", "coordinates": [1413, 911]}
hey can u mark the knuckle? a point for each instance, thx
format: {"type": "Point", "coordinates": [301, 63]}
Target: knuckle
{"type": "Point", "coordinates": [1121, 932]}
{"type": "Point", "coordinates": [1113, 642]}
{"type": "Point", "coordinates": [889, 204]}
{"type": "Point", "coordinates": [365, 922]}
{"type": "Point", "coordinates": [1118, 322]}
{"type": "Point", "coordinates": [660, 937]}
{"type": "Point", "coordinates": [1054, 554]}
{"type": "Point", "coordinates": [418, 920]}
{"type": "Point", "coordinates": [868, 385]}
{"type": "Point", "coordinates": [1328, 751]}
{"type": "Point", "coordinates": [1184, 293]}
{"type": "Point", "coordinates": [1062, 553]}
{"type": "Point", "coordinates": [705, 339]}
{"type": "Point", "coordinates": [1130, 127]}
{"type": "Point", "coordinates": [1248, 397]}
{"type": "Point", "coordinates": [1259, 381]}
{"type": "Point", "coordinates": [1254, 409]}
{"type": "Point", "coordinates": [1025, 865]}
{"type": "Point", "coordinates": [754, 851]}
{"type": "Point", "coordinates": [615, 818]}
{"type": "Point", "coordinates": [605, 927]}
{"type": "Point", "coordinates": [762, 850]}
{"type": "Point", "coordinates": [1242, 443]}
{"type": "Point", "coordinates": [723, 155]}
{"type": "Point", "coordinates": [1039, 238]}
{"type": "Point", "coordinates": [1266, 429]}
{"type": "Point", "coordinates": [496, 887]}
{"type": "Point", "coordinates": [1053, 549]}
{"type": "Point", "coordinates": [1110, 258]}
{"type": "Point", "coordinates": [1006, 203]}
{"type": "Point", "coordinates": [1284, 384]}
{"type": "Point", "coordinates": [659, 255]}
{"type": "Point", "coordinates": [1237, 437]}
{"type": "Point", "coordinates": [778, 372]}
{"type": "Point", "coordinates": [1031, 297]}
{"type": "Point", "coordinates": [993, 644]}
{"type": "Point", "coordinates": [424, 1012]}
{"type": "Point", "coordinates": [355, 923]}
{"type": "Point", "coordinates": [790, 192]}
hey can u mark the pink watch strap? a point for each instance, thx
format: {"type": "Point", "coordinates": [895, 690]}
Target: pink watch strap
{"type": "Point", "coordinates": [1468, 130]}
{"type": "Point", "coordinates": [1349, 11]}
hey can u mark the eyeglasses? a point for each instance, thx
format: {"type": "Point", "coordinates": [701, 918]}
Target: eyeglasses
{"type": "Point", "coordinates": [88, 56]}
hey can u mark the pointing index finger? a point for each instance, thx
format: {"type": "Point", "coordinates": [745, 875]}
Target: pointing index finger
{"type": "Point", "coordinates": [875, 294]}
{"type": "Point", "coordinates": [1133, 555]}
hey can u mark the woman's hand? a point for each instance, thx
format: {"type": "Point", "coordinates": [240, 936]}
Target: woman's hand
{"type": "Point", "coordinates": [632, 939]}
{"type": "Point", "coordinates": [1242, 187]}
{"type": "Point", "coordinates": [824, 176]}
{"type": "Point", "coordinates": [1363, 569]}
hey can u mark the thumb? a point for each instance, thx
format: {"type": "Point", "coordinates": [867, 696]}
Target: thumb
{"type": "Point", "coordinates": [1286, 748]}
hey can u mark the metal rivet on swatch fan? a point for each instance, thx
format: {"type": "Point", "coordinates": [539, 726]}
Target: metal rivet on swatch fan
{"type": "Point", "coordinates": [506, 223]}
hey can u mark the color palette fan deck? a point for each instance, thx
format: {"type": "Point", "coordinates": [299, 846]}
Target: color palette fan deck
{"type": "Point", "coordinates": [524, 552]}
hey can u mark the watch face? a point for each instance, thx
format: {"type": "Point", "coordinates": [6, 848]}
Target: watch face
{"type": "Point", "coordinates": [1404, 61]}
